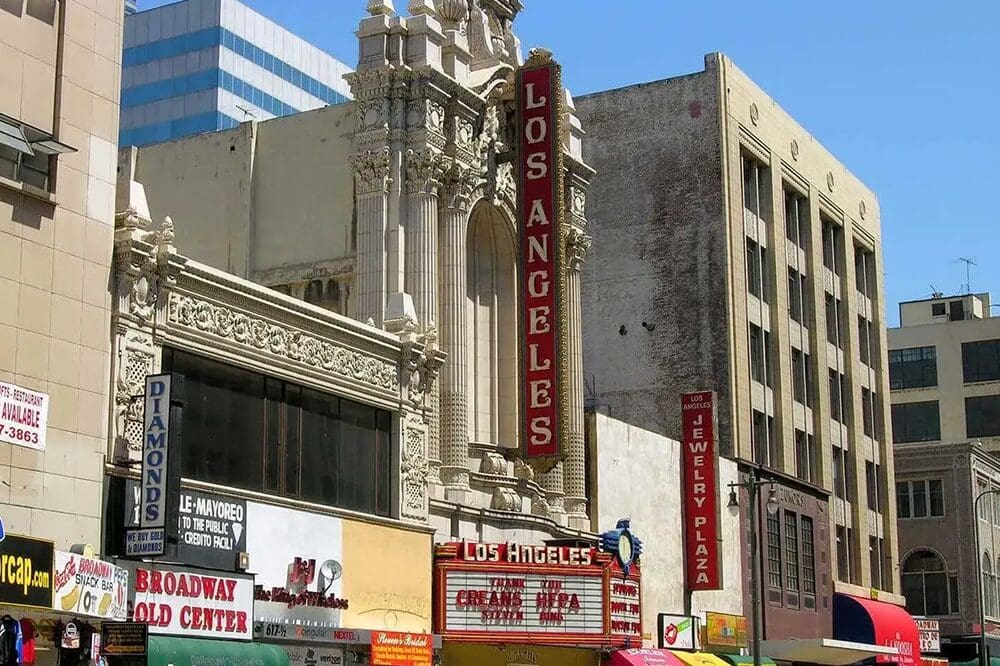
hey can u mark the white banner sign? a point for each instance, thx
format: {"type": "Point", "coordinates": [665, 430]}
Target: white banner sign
{"type": "Point", "coordinates": [313, 656]}
{"type": "Point", "coordinates": [88, 586]}
{"type": "Point", "coordinates": [930, 635]}
{"type": "Point", "coordinates": [518, 602]}
{"type": "Point", "coordinates": [23, 415]}
{"type": "Point", "coordinates": [188, 603]}
{"type": "Point", "coordinates": [677, 632]}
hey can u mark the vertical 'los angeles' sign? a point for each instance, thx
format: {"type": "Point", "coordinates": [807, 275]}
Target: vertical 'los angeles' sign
{"type": "Point", "coordinates": [541, 252]}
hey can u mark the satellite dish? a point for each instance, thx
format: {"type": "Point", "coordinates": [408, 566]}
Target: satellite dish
{"type": "Point", "coordinates": [329, 571]}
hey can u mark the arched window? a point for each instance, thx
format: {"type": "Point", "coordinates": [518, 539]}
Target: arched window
{"type": "Point", "coordinates": [926, 585]}
{"type": "Point", "coordinates": [989, 586]}
{"type": "Point", "coordinates": [492, 328]}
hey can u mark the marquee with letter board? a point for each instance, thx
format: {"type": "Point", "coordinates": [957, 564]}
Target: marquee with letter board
{"type": "Point", "coordinates": [517, 593]}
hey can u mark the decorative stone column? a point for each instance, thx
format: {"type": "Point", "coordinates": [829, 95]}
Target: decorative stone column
{"type": "Point", "coordinates": [574, 466]}
{"type": "Point", "coordinates": [454, 414]}
{"type": "Point", "coordinates": [372, 180]}
{"type": "Point", "coordinates": [424, 170]}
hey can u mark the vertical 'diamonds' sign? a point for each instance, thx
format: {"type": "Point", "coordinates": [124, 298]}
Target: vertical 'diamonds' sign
{"type": "Point", "coordinates": [159, 485]}
{"type": "Point", "coordinates": [542, 278]}
{"type": "Point", "coordinates": [699, 460]}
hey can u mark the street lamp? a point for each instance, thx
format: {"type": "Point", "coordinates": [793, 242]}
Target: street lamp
{"type": "Point", "coordinates": [753, 485]}
{"type": "Point", "coordinates": [983, 657]}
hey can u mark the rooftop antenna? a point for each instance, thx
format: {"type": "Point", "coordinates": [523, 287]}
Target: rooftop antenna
{"type": "Point", "coordinates": [969, 263]}
{"type": "Point", "coordinates": [935, 293]}
{"type": "Point", "coordinates": [247, 113]}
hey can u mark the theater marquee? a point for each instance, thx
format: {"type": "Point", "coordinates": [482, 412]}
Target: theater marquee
{"type": "Point", "coordinates": [542, 260]}
{"type": "Point", "coordinates": [535, 594]}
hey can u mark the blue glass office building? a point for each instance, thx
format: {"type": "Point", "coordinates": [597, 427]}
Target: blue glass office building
{"type": "Point", "coordinates": [203, 65]}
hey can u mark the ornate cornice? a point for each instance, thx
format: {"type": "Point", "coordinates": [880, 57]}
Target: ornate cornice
{"type": "Point", "coordinates": [254, 332]}
{"type": "Point", "coordinates": [371, 171]}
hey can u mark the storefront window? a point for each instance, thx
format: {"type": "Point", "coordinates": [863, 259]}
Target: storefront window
{"type": "Point", "coordinates": [774, 551]}
{"type": "Point", "coordinates": [245, 430]}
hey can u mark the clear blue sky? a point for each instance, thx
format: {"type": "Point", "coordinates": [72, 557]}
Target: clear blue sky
{"type": "Point", "coordinates": [905, 94]}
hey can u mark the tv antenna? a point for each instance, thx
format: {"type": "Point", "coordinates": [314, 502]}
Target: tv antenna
{"type": "Point", "coordinates": [247, 113]}
{"type": "Point", "coordinates": [969, 263]}
{"type": "Point", "coordinates": [935, 293]}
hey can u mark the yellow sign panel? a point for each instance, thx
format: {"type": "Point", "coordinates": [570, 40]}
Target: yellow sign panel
{"type": "Point", "coordinates": [723, 630]}
{"type": "Point", "coordinates": [518, 655]}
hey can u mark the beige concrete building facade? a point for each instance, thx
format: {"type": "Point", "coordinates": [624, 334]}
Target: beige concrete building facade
{"type": "Point", "coordinates": [944, 361]}
{"type": "Point", "coordinates": [734, 253]}
{"type": "Point", "coordinates": [58, 132]}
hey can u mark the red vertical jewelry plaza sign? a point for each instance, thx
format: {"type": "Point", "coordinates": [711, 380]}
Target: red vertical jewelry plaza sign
{"type": "Point", "coordinates": [542, 287]}
{"type": "Point", "coordinates": [699, 460]}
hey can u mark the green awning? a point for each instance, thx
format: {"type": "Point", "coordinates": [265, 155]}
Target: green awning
{"type": "Point", "coordinates": [742, 660]}
{"type": "Point", "coordinates": [168, 651]}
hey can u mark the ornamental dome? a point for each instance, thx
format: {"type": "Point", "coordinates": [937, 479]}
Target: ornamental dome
{"type": "Point", "coordinates": [455, 11]}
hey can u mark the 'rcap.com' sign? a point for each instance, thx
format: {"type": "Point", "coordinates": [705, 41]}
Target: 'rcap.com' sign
{"type": "Point", "coordinates": [159, 484]}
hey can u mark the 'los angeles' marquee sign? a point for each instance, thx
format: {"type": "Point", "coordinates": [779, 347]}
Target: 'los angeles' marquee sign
{"type": "Point", "coordinates": [535, 594]}
{"type": "Point", "coordinates": [542, 259]}
{"type": "Point", "coordinates": [699, 461]}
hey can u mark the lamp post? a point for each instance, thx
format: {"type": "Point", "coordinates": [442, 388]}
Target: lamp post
{"type": "Point", "coordinates": [753, 485]}
{"type": "Point", "coordinates": [983, 657]}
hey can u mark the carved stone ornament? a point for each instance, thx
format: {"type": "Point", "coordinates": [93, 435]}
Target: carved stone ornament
{"type": "Point", "coordinates": [493, 464]}
{"type": "Point", "coordinates": [523, 471]}
{"type": "Point", "coordinates": [371, 171]}
{"type": "Point", "coordinates": [457, 186]}
{"type": "Point", "coordinates": [413, 473]}
{"type": "Point", "coordinates": [424, 170]}
{"type": "Point", "coordinates": [134, 363]}
{"type": "Point", "coordinates": [258, 334]}
{"type": "Point", "coordinates": [381, 8]}
{"type": "Point", "coordinates": [577, 245]}
{"type": "Point", "coordinates": [506, 499]}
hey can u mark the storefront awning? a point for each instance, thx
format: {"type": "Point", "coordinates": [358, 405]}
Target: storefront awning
{"type": "Point", "coordinates": [644, 657]}
{"type": "Point", "coordinates": [699, 658]}
{"type": "Point", "coordinates": [879, 623]}
{"type": "Point", "coordinates": [742, 659]}
{"type": "Point", "coordinates": [166, 651]}
{"type": "Point", "coordinates": [824, 651]}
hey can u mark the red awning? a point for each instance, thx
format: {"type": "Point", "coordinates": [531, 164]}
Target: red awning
{"type": "Point", "coordinates": [644, 657]}
{"type": "Point", "coordinates": [880, 623]}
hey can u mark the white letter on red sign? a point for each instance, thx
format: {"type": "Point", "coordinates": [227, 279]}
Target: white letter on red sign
{"type": "Point", "coordinates": [537, 168]}
{"type": "Point", "coordinates": [538, 320]}
{"type": "Point", "coordinates": [533, 103]}
{"type": "Point", "coordinates": [535, 365]}
{"type": "Point", "coordinates": [534, 289]}
{"type": "Point", "coordinates": [540, 393]}
{"type": "Point", "coordinates": [537, 213]}
{"type": "Point", "coordinates": [541, 432]}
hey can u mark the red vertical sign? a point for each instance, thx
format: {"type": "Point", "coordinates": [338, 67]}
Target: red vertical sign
{"type": "Point", "coordinates": [540, 214]}
{"type": "Point", "coordinates": [699, 460]}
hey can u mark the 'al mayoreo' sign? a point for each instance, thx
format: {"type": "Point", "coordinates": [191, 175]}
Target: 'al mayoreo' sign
{"type": "Point", "coordinates": [519, 593]}
{"type": "Point", "coordinates": [26, 572]}
{"type": "Point", "coordinates": [699, 460]}
{"type": "Point", "coordinates": [542, 248]}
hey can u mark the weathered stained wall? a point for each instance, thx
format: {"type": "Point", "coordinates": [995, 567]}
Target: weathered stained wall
{"type": "Point", "coordinates": [656, 215]}
{"type": "Point", "coordinates": [624, 457]}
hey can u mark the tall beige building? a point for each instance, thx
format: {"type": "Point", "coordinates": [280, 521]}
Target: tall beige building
{"type": "Point", "coordinates": [59, 88]}
{"type": "Point", "coordinates": [944, 362]}
{"type": "Point", "coordinates": [733, 252]}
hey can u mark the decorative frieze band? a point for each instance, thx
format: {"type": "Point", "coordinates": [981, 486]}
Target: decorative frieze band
{"type": "Point", "coordinates": [257, 333]}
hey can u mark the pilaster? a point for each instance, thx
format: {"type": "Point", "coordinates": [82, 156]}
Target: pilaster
{"type": "Point", "coordinates": [372, 180]}
{"type": "Point", "coordinates": [574, 466]}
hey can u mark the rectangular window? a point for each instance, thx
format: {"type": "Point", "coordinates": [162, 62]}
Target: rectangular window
{"type": "Point", "coordinates": [757, 360]}
{"type": "Point", "coordinates": [871, 484]}
{"type": "Point", "coordinates": [804, 455]}
{"type": "Point", "coordinates": [795, 286]}
{"type": "Point", "coordinates": [774, 551]}
{"type": "Point", "coordinates": [839, 473]}
{"type": "Point", "coordinates": [808, 556]}
{"type": "Point", "coordinates": [833, 246]}
{"type": "Point", "coordinates": [937, 310]}
{"type": "Point", "coordinates": [791, 552]}
{"type": "Point", "coordinates": [867, 412]}
{"type": "Point", "coordinates": [800, 377]}
{"type": "Point", "coordinates": [755, 185]}
{"type": "Point", "coordinates": [875, 561]}
{"type": "Point", "coordinates": [914, 367]}
{"type": "Point", "coordinates": [796, 218]}
{"type": "Point", "coordinates": [917, 422]}
{"type": "Point", "coordinates": [834, 324]}
{"type": "Point", "coordinates": [903, 499]}
{"type": "Point", "coordinates": [981, 361]}
{"type": "Point", "coordinates": [258, 433]}
{"type": "Point", "coordinates": [764, 441]}
{"type": "Point", "coordinates": [981, 487]}
{"type": "Point", "coordinates": [843, 555]}
{"type": "Point", "coordinates": [864, 271]}
{"type": "Point", "coordinates": [758, 278]}
{"type": "Point", "coordinates": [919, 499]}
{"type": "Point", "coordinates": [837, 407]}
{"type": "Point", "coordinates": [982, 416]}
{"type": "Point", "coordinates": [935, 493]}
{"type": "Point", "coordinates": [864, 344]}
